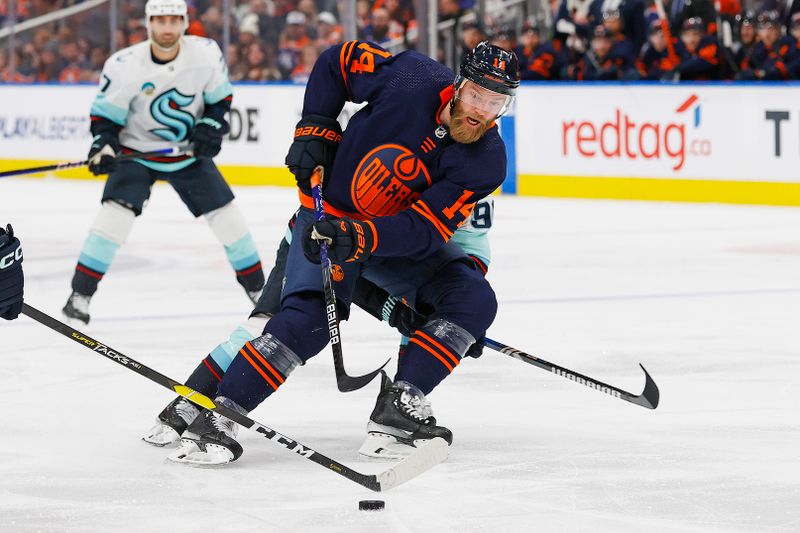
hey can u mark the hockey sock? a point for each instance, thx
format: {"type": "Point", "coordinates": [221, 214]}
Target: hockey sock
{"type": "Point", "coordinates": [433, 353]}
{"type": "Point", "coordinates": [261, 366]}
{"type": "Point", "coordinates": [212, 368]}
{"type": "Point", "coordinates": [290, 338]}
{"type": "Point", "coordinates": [109, 231]}
{"type": "Point", "coordinates": [230, 228]}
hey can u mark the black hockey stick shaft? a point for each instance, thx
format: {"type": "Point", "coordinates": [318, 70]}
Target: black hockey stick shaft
{"type": "Point", "coordinates": [648, 398]}
{"type": "Point", "coordinates": [369, 481]}
{"type": "Point", "coordinates": [345, 382]}
{"type": "Point", "coordinates": [76, 164]}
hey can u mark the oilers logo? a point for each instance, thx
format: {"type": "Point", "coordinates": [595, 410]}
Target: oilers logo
{"type": "Point", "coordinates": [166, 110]}
{"type": "Point", "coordinates": [388, 180]}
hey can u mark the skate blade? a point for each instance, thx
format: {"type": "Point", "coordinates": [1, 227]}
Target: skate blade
{"type": "Point", "coordinates": [383, 446]}
{"type": "Point", "coordinates": [190, 453]}
{"type": "Point", "coordinates": [162, 436]}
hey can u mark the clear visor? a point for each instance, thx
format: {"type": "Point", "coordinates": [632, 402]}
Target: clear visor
{"type": "Point", "coordinates": [482, 101]}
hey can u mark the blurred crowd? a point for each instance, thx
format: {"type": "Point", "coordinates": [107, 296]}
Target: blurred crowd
{"type": "Point", "coordinates": [584, 39]}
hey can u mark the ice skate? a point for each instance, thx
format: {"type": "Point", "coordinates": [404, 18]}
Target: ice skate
{"type": "Point", "coordinates": [172, 422]}
{"type": "Point", "coordinates": [210, 439]}
{"type": "Point", "coordinates": [76, 310]}
{"type": "Point", "coordinates": [401, 420]}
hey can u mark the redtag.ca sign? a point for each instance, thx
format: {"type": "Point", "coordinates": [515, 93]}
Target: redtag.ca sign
{"type": "Point", "coordinates": [683, 131]}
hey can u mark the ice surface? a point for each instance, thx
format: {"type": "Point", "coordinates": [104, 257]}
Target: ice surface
{"type": "Point", "coordinates": [707, 297]}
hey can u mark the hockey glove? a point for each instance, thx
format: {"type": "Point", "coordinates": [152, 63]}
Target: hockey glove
{"type": "Point", "coordinates": [11, 279]}
{"type": "Point", "coordinates": [316, 139]}
{"type": "Point", "coordinates": [104, 149]}
{"type": "Point", "coordinates": [349, 241]}
{"type": "Point", "coordinates": [402, 317]}
{"type": "Point", "coordinates": [207, 137]}
{"type": "Point", "coordinates": [476, 350]}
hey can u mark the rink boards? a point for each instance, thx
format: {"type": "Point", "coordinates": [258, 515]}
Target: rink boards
{"type": "Point", "coordinates": [736, 143]}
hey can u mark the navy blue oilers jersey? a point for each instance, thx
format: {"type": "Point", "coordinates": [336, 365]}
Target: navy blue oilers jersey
{"type": "Point", "coordinates": [396, 165]}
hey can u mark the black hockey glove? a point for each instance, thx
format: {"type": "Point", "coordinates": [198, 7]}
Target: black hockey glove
{"type": "Point", "coordinates": [349, 241]}
{"type": "Point", "coordinates": [476, 350]}
{"type": "Point", "coordinates": [11, 278]}
{"type": "Point", "coordinates": [104, 149]}
{"type": "Point", "coordinates": [402, 317]}
{"type": "Point", "coordinates": [207, 136]}
{"type": "Point", "coordinates": [316, 139]}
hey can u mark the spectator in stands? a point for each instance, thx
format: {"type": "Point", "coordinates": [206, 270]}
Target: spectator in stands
{"type": "Point", "coordinates": [699, 52]}
{"type": "Point", "coordinates": [260, 63]}
{"type": "Point", "coordinates": [302, 72]}
{"type": "Point", "coordinates": [329, 32]}
{"type": "Point", "coordinates": [773, 54]}
{"type": "Point", "coordinates": [292, 41]}
{"type": "Point", "coordinates": [378, 29]}
{"type": "Point", "coordinates": [504, 38]}
{"type": "Point", "coordinates": [449, 9]}
{"type": "Point", "coordinates": [679, 11]}
{"type": "Point", "coordinates": [472, 34]}
{"type": "Point", "coordinates": [599, 63]}
{"type": "Point", "coordinates": [309, 9]}
{"type": "Point", "coordinates": [573, 25]}
{"type": "Point", "coordinates": [656, 62]}
{"type": "Point", "coordinates": [631, 18]}
{"type": "Point", "coordinates": [538, 60]}
{"type": "Point", "coordinates": [743, 47]}
{"type": "Point", "coordinates": [622, 45]}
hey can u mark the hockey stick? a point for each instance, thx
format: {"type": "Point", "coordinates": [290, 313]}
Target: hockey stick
{"type": "Point", "coordinates": [648, 398]}
{"type": "Point", "coordinates": [673, 56]}
{"type": "Point", "coordinates": [345, 382]}
{"type": "Point", "coordinates": [75, 164]}
{"type": "Point", "coordinates": [423, 458]}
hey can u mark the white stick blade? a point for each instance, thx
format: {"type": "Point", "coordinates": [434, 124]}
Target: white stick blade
{"type": "Point", "coordinates": [426, 457]}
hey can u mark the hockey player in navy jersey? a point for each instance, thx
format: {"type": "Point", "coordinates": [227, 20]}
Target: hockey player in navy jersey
{"type": "Point", "coordinates": [400, 181]}
{"type": "Point", "coordinates": [171, 91]}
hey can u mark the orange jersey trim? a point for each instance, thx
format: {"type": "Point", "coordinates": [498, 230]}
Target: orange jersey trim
{"type": "Point", "coordinates": [308, 202]}
{"type": "Point", "coordinates": [422, 209]}
{"type": "Point", "coordinates": [374, 235]}
{"type": "Point", "coordinates": [344, 59]}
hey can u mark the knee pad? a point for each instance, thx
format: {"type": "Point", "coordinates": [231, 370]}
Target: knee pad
{"type": "Point", "coordinates": [227, 223]}
{"type": "Point", "coordinates": [114, 222]}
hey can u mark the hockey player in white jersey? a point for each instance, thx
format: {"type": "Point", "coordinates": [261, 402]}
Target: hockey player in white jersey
{"type": "Point", "coordinates": [171, 91]}
{"type": "Point", "coordinates": [382, 441]}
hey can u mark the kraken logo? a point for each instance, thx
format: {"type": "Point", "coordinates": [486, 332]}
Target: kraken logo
{"type": "Point", "coordinates": [166, 110]}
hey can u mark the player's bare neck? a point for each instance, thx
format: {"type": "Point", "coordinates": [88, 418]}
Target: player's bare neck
{"type": "Point", "coordinates": [162, 56]}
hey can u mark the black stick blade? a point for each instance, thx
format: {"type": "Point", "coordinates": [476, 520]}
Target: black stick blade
{"type": "Point", "coordinates": [347, 383]}
{"type": "Point", "coordinates": [650, 396]}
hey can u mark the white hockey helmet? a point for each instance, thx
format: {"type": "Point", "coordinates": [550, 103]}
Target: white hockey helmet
{"type": "Point", "coordinates": [159, 8]}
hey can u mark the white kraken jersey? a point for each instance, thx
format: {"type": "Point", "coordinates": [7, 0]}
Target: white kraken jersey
{"type": "Point", "coordinates": [158, 105]}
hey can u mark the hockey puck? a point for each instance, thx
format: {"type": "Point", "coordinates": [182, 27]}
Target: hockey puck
{"type": "Point", "coordinates": [371, 505]}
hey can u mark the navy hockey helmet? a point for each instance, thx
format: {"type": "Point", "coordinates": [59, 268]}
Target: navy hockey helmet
{"type": "Point", "coordinates": [492, 68]}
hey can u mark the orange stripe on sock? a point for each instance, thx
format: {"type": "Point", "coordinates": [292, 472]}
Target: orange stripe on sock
{"type": "Point", "coordinates": [444, 350]}
{"type": "Point", "coordinates": [255, 353]}
{"type": "Point", "coordinates": [433, 352]}
{"type": "Point", "coordinates": [243, 353]}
